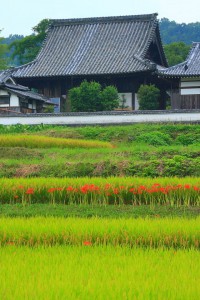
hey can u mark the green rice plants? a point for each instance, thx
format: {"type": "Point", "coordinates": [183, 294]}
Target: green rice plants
{"type": "Point", "coordinates": [103, 272]}
{"type": "Point", "coordinates": [154, 233]}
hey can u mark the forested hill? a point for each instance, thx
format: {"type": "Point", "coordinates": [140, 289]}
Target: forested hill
{"type": "Point", "coordinates": [175, 32]}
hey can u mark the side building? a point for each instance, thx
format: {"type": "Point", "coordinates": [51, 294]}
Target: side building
{"type": "Point", "coordinates": [184, 79]}
{"type": "Point", "coordinates": [15, 98]}
{"type": "Point", "coordinates": [124, 51]}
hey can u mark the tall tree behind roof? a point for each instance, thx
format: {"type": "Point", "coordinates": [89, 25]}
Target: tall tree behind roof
{"type": "Point", "coordinates": [3, 50]}
{"type": "Point", "coordinates": [26, 49]}
{"type": "Point", "coordinates": [176, 52]}
{"type": "Point", "coordinates": [175, 32]}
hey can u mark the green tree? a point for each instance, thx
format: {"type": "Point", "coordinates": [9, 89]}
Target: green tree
{"type": "Point", "coordinates": [26, 49]}
{"type": "Point", "coordinates": [90, 96]}
{"type": "Point", "coordinates": [148, 96]}
{"type": "Point", "coordinates": [3, 51]}
{"type": "Point", "coordinates": [173, 32]}
{"type": "Point", "coordinates": [176, 52]}
{"type": "Point", "coordinates": [109, 98]}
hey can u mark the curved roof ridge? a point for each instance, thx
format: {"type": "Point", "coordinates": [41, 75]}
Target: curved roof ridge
{"type": "Point", "coordinates": [189, 68]}
{"type": "Point", "coordinates": [193, 52]}
{"type": "Point", "coordinates": [111, 19]}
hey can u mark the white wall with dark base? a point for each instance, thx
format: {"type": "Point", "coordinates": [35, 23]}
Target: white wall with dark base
{"type": "Point", "coordinates": [102, 118]}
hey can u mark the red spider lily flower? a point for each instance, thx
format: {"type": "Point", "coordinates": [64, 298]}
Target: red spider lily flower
{"type": "Point", "coordinates": [195, 188]}
{"type": "Point", "coordinates": [116, 191]}
{"type": "Point", "coordinates": [122, 187]}
{"type": "Point", "coordinates": [51, 190]}
{"type": "Point", "coordinates": [59, 189]}
{"type": "Point", "coordinates": [93, 188]}
{"type": "Point", "coordinates": [87, 243]}
{"type": "Point", "coordinates": [20, 187]}
{"type": "Point", "coordinates": [132, 190]}
{"type": "Point", "coordinates": [16, 196]}
{"type": "Point", "coordinates": [84, 189]}
{"type": "Point", "coordinates": [187, 186]}
{"type": "Point", "coordinates": [142, 187]}
{"type": "Point", "coordinates": [179, 186]}
{"type": "Point", "coordinates": [30, 191]}
{"type": "Point", "coordinates": [156, 184]}
{"type": "Point", "coordinates": [69, 189]}
{"type": "Point", "coordinates": [107, 186]}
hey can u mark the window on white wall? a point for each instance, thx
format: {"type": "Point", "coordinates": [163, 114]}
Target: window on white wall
{"type": "Point", "coordinates": [4, 100]}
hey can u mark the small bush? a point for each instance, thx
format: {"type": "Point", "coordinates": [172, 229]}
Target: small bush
{"type": "Point", "coordinates": [181, 167]}
{"type": "Point", "coordinates": [90, 96]}
{"type": "Point", "coordinates": [188, 139]}
{"type": "Point", "coordinates": [155, 138]}
{"type": "Point", "coordinates": [148, 96]}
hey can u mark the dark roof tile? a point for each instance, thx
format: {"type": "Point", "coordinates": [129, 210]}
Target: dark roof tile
{"type": "Point", "coordinates": [94, 46]}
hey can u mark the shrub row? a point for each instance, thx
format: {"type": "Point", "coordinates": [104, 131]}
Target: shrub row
{"type": "Point", "coordinates": [178, 165]}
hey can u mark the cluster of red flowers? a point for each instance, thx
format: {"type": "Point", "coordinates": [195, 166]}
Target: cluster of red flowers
{"type": "Point", "coordinates": [157, 188]}
{"type": "Point", "coordinates": [109, 189]}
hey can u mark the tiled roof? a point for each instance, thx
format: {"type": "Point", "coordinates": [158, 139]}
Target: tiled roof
{"type": "Point", "coordinates": [5, 75]}
{"type": "Point", "coordinates": [109, 45]}
{"type": "Point", "coordinates": [20, 90]}
{"type": "Point", "coordinates": [27, 94]}
{"type": "Point", "coordinates": [189, 68]}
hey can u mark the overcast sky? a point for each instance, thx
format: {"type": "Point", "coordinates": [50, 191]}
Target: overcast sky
{"type": "Point", "coordinates": [19, 16]}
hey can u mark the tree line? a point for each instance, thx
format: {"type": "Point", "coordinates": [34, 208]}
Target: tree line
{"type": "Point", "coordinates": [177, 38]}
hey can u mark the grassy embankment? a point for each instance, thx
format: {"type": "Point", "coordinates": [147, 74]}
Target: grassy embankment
{"type": "Point", "coordinates": [139, 150]}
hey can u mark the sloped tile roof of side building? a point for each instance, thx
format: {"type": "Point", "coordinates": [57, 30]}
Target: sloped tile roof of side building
{"type": "Point", "coordinates": [98, 46]}
{"type": "Point", "coordinates": [189, 68]}
{"type": "Point", "coordinates": [8, 84]}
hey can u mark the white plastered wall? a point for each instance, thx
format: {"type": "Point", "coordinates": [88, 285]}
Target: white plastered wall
{"type": "Point", "coordinates": [136, 102]}
{"type": "Point", "coordinates": [128, 100]}
{"type": "Point", "coordinates": [14, 100]}
{"type": "Point", "coordinates": [190, 86]}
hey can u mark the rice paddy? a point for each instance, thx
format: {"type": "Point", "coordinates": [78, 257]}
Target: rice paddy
{"type": "Point", "coordinates": [153, 233]}
{"type": "Point", "coordinates": [119, 237]}
{"type": "Point", "coordinates": [29, 141]}
{"type": "Point", "coordinates": [103, 272]}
